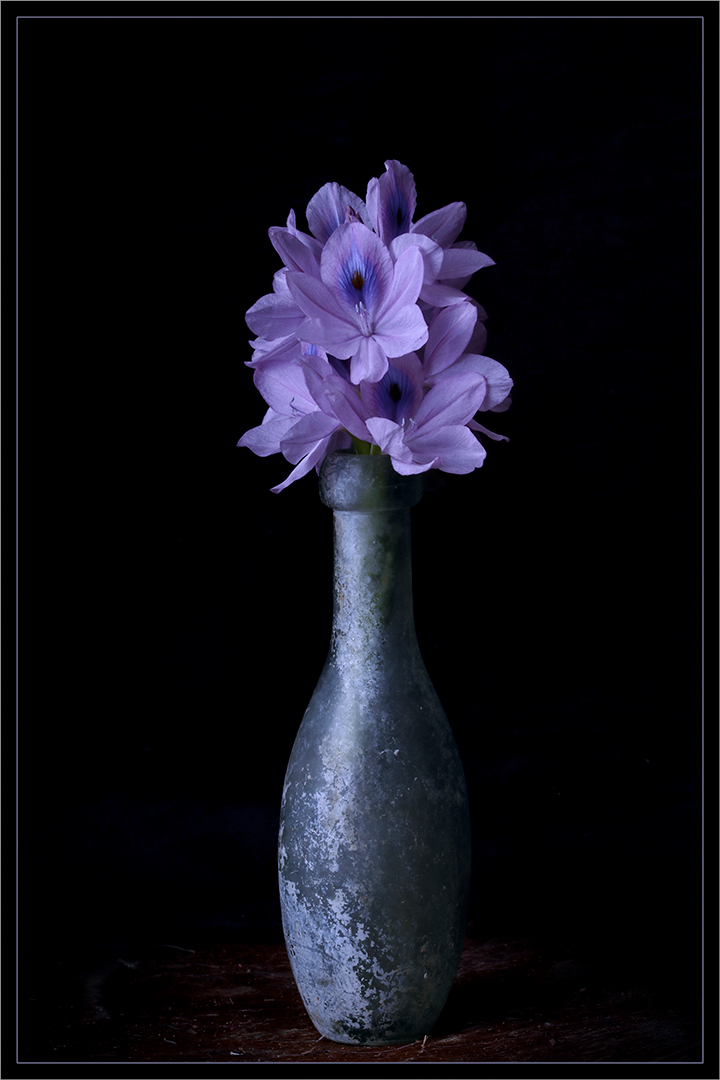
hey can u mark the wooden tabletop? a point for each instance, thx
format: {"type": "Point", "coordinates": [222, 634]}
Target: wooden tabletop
{"type": "Point", "coordinates": [523, 1000]}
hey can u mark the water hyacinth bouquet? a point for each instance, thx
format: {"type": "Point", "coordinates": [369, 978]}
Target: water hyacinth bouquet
{"type": "Point", "coordinates": [368, 342]}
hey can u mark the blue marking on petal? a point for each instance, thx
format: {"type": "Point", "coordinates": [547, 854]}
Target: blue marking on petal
{"type": "Point", "coordinates": [358, 280]}
{"type": "Point", "coordinates": [394, 395]}
{"type": "Point", "coordinates": [396, 215]}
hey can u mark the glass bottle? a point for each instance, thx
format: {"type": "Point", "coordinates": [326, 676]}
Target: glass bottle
{"type": "Point", "coordinates": [374, 842]}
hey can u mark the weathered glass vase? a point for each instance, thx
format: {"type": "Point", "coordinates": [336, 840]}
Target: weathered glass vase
{"type": "Point", "coordinates": [374, 846]}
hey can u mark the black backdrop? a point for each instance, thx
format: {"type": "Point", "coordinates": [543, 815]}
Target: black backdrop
{"type": "Point", "coordinates": [178, 613]}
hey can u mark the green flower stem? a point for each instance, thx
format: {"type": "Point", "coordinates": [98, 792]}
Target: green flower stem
{"type": "Point", "coordinates": [362, 447]}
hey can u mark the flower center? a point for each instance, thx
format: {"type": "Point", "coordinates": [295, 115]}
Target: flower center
{"type": "Point", "coordinates": [395, 392]}
{"type": "Point", "coordinates": [357, 280]}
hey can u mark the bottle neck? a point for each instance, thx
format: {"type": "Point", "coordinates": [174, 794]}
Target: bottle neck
{"type": "Point", "coordinates": [372, 603]}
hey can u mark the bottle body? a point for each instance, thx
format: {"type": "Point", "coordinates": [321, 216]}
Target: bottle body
{"type": "Point", "coordinates": [374, 846]}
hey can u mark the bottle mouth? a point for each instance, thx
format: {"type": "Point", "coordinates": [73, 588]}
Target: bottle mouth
{"type": "Point", "coordinates": [366, 483]}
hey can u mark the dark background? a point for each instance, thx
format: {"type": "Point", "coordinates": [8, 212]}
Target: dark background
{"type": "Point", "coordinates": [177, 613]}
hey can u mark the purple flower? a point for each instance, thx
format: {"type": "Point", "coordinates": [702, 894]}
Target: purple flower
{"type": "Point", "coordinates": [368, 338]}
{"type": "Point", "coordinates": [331, 207]}
{"type": "Point", "coordinates": [391, 201]}
{"type": "Point", "coordinates": [294, 425]}
{"type": "Point", "coordinates": [460, 260]}
{"type": "Point", "coordinates": [275, 315]}
{"type": "Point", "coordinates": [364, 306]}
{"type": "Point", "coordinates": [436, 435]}
{"type": "Point", "coordinates": [451, 335]}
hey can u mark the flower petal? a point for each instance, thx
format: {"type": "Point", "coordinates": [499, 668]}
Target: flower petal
{"type": "Point", "coordinates": [327, 210]}
{"type": "Point", "coordinates": [432, 253]}
{"type": "Point", "coordinates": [292, 251]}
{"type": "Point", "coordinates": [303, 435]}
{"type": "Point", "coordinates": [407, 279]}
{"type": "Point", "coordinates": [491, 434]}
{"type": "Point", "coordinates": [309, 241]}
{"type": "Point", "coordinates": [437, 295]}
{"type": "Point", "coordinates": [389, 437]}
{"type": "Point", "coordinates": [462, 262]}
{"type": "Point", "coordinates": [357, 269]}
{"type": "Point", "coordinates": [443, 226]}
{"type": "Point", "coordinates": [399, 393]}
{"type": "Point", "coordinates": [391, 201]}
{"type": "Point", "coordinates": [454, 448]}
{"type": "Point", "coordinates": [274, 316]}
{"type": "Point", "coordinates": [284, 348]}
{"type": "Point", "coordinates": [499, 383]}
{"type": "Point", "coordinates": [369, 362]}
{"type": "Point", "coordinates": [448, 336]}
{"type": "Point", "coordinates": [336, 397]}
{"type": "Point", "coordinates": [265, 439]}
{"type": "Point", "coordinates": [412, 467]}
{"type": "Point", "coordinates": [316, 454]}
{"type": "Point", "coordinates": [282, 384]}
{"type": "Point", "coordinates": [328, 324]}
{"type": "Point", "coordinates": [454, 399]}
{"type": "Point", "coordinates": [503, 406]}
{"type": "Point", "coordinates": [405, 332]}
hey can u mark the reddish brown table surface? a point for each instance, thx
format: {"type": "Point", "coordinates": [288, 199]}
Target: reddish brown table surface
{"type": "Point", "coordinates": [513, 1000]}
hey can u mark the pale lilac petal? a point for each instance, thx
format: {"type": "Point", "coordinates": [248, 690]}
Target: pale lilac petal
{"type": "Point", "coordinates": [481, 312]}
{"type": "Point", "coordinates": [337, 337]}
{"type": "Point", "coordinates": [357, 269]}
{"type": "Point", "coordinates": [454, 448]}
{"type": "Point", "coordinates": [282, 384]}
{"type": "Point", "coordinates": [315, 357]}
{"type": "Point", "coordinates": [294, 253]}
{"type": "Point", "coordinates": [315, 299]}
{"type": "Point", "coordinates": [389, 437]}
{"type": "Point", "coordinates": [399, 394]}
{"type": "Point", "coordinates": [438, 295]}
{"type": "Point", "coordinates": [368, 362]}
{"type": "Point", "coordinates": [478, 341]}
{"type": "Point", "coordinates": [329, 325]}
{"type": "Point", "coordinates": [454, 399]}
{"type": "Point", "coordinates": [327, 210]}
{"type": "Point", "coordinates": [448, 336]}
{"type": "Point", "coordinates": [391, 201]}
{"type": "Point", "coordinates": [280, 285]}
{"type": "Point", "coordinates": [285, 348]}
{"type": "Point", "coordinates": [432, 253]}
{"type": "Point", "coordinates": [443, 226]}
{"type": "Point", "coordinates": [499, 383]}
{"type": "Point", "coordinates": [349, 410]}
{"type": "Point", "coordinates": [408, 274]}
{"type": "Point", "coordinates": [372, 201]}
{"type": "Point", "coordinates": [462, 262]}
{"type": "Point", "coordinates": [412, 467]}
{"type": "Point", "coordinates": [503, 406]}
{"type": "Point", "coordinates": [337, 398]}
{"type": "Point", "coordinates": [317, 453]}
{"type": "Point", "coordinates": [309, 241]}
{"type": "Point", "coordinates": [304, 434]}
{"type": "Point", "coordinates": [405, 332]}
{"type": "Point", "coordinates": [274, 316]}
{"type": "Point", "coordinates": [491, 434]}
{"type": "Point", "coordinates": [265, 439]}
